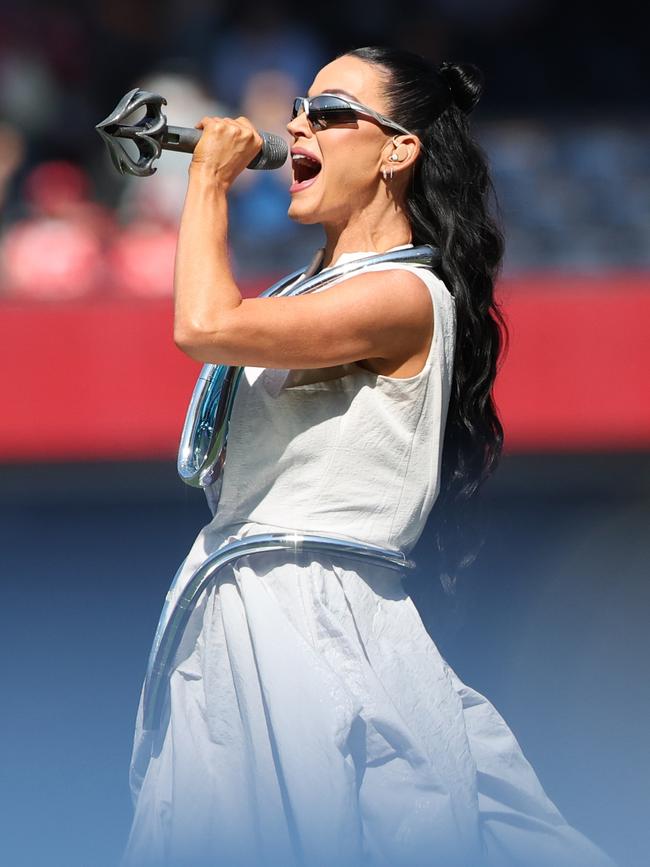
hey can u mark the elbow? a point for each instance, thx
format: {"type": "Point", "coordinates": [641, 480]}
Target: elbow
{"type": "Point", "coordinates": [186, 339]}
{"type": "Point", "coordinates": [197, 343]}
{"type": "Point", "coordinates": [189, 339]}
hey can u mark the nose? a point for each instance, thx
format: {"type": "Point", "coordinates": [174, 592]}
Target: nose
{"type": "Point", "coordinates": [299, 125]}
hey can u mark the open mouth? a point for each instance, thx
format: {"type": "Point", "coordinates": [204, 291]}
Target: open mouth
{"type": "Point", "coordinates": [305, 170]}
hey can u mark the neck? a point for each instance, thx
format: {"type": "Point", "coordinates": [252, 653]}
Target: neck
{"type": "Point", "coordinates": [362, 233]}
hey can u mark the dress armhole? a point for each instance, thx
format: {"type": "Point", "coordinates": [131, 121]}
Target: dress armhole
{"type": "Point", "coordinates": [443, 311]}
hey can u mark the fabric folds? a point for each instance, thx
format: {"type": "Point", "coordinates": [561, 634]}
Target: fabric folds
{"type": "Point", "coordinates": [312, 721]}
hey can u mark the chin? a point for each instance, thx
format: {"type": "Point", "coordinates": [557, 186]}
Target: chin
{"type": "Point", "coordinates": [301, 212]}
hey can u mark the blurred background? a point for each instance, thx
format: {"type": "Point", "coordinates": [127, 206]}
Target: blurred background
{"type": "Point", "coordinates": [551, 622]}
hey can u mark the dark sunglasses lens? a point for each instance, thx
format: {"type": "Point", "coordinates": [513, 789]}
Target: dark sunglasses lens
{"type": "Point", "coordinates": [330, 109]}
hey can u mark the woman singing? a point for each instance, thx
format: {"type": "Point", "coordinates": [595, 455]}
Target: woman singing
{"type": "Point", "coordinates": [310, 719]}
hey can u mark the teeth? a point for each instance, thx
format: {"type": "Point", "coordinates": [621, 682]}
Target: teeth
{"type": "Point", "coordinates": [303, 157]}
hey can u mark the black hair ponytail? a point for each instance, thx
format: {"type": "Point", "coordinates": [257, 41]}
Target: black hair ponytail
{"type": "Point", "coordinates": [448, 205]}
{"type": "Point", "coordinates": [465, 82]}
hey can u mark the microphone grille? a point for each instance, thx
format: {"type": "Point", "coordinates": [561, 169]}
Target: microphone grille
{"type": "Point", "coordinates": [273, 154]}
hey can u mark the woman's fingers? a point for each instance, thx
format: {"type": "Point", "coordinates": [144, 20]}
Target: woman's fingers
{"type": "Point", "coordinates": [227, 145]}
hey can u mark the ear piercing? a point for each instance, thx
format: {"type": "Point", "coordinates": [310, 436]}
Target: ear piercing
{"type": "Point", "coordinates": [389, 177]}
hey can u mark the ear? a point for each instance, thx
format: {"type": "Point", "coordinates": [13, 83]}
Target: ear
{"type": "Point", "coordinates": [401, 152]}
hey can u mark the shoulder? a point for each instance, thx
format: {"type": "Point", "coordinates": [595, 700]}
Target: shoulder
{"type": "Point", "coordinates": [408, 279]}
{"type": "Point", "coordinates": [399, 295]}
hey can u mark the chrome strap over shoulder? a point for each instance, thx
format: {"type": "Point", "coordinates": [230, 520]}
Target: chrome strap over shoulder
{"type": "Point", "coordinates": [176, 614]}
{"type": "Point", "coordinates": [202, 450]}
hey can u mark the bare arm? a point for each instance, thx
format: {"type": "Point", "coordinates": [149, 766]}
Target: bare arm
{"type": "Point", "coordinates": [204, 286]}
{"type": "Point", "coordinates": [383, 315]}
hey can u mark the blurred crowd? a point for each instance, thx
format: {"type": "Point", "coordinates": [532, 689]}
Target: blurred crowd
{"type": "Point", "coordinates": [564, 123]}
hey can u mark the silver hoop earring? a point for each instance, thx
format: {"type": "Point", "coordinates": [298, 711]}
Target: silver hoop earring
{"type": "Point", "coordinates": [387, 177]}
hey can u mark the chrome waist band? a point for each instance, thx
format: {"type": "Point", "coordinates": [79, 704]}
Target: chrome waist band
{"type": "Point", "coordinates": [175, 616]}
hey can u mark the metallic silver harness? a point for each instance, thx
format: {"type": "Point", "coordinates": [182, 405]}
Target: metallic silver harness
{"type": "Point", "coordinates": [201, 459]}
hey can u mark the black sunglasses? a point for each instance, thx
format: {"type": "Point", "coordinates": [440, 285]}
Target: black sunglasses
{"type": "Point", "coordinates": [327, 109]}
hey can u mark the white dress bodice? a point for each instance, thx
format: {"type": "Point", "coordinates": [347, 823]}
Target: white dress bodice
{"type": "Point", "coordinates": [342, 450]}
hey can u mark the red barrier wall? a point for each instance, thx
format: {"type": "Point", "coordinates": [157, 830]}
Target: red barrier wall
{"type": "Point", "coordinates": [576, 375]}
{"type": "Point", "coordinates": [103, 379]}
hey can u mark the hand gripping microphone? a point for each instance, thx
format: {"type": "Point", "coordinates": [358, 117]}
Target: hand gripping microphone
{"type": "Point", "coordinates": [151, 135]}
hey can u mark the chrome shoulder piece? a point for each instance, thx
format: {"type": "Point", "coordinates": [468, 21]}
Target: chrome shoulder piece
{"type": "Point", "coordinates": [202, 450]}
{"type": "Point", "coordinates": [175, 616]}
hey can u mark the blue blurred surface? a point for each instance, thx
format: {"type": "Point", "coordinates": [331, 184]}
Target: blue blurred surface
{"type": "Point", "coordinates": [550, 625]}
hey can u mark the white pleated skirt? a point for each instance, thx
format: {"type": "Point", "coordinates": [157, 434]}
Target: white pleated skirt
{"type": "Point", "coordinates": [312, 722]}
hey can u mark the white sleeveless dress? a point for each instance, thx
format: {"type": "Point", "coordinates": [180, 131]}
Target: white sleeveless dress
{"type": "Point", "coordinates": [311, 719]}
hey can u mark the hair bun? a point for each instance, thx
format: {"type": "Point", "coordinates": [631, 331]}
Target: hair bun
{"type": "Point", "coordinates": [465, 81]}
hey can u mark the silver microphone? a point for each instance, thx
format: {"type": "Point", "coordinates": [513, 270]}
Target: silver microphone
{"type": "Point", "coordinates": [272, 155]}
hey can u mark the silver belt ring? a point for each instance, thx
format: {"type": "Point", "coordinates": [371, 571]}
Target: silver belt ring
{"type": "Point", "coordinates": [173, 620]}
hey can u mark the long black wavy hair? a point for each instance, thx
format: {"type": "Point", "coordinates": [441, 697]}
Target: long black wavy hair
{"type": "Point", "coordinates": [449, 206]}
